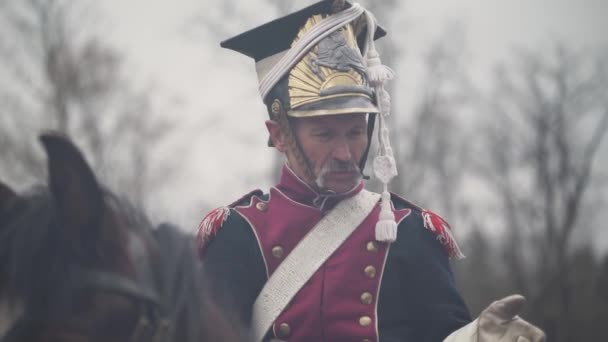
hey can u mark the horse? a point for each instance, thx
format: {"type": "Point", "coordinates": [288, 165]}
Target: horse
{"type": "Point", "coordinates": [79, 264]}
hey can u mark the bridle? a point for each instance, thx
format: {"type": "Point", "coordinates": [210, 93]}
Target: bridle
{"type": "Point", "coordinates": [152, 324]}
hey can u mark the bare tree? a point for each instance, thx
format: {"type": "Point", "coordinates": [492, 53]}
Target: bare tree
{"type": "Point", "coordinates": [37, 80]}
{"type": "Point", "coordinates": [549, 117]}
{"type": "Point", "coordinates": [433, 144]}
{"type": "Point", "coordinates": [60, 77]}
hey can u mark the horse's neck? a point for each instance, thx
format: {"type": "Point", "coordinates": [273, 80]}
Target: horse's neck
{"type": "Point", "coordinates": [8, 315]}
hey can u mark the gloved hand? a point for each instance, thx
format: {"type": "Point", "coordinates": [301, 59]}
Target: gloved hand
{"type": "Point", "coordinates": [499, 322]}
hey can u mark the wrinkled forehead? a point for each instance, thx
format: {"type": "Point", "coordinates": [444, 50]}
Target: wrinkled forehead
{"type": "Point", "coordinates": [343, 120]}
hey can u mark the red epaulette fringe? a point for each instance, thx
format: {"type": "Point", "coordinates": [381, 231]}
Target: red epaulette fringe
{"type": "Point", "coordinates": [209, 227]}
{"type": "Point", "coordinates": [442, 229]}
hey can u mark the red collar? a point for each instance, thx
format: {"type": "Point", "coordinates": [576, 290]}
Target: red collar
{"type": "Point", "coordinates": [298, 190]}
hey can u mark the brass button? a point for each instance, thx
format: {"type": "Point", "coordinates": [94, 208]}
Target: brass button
{"type": "Point", "coordinates": [372, 246]}
{"type": "Point", "coordinates": [367, 298]}
{"type": "Point", "coordinates": [370, 271]}
{"type": "Point", "coordinates": [365, 321]}
{"type": "Point", "coordinates": [261, 206]}
{"type": "Point", "coordinates": [276, 107]}
{"type": "Point", "coordinates": [284, 330]}
{"type": "Point", "coordinates": [277, 252]}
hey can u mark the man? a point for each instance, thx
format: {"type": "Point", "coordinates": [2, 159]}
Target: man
{"type": "Point", "coordinates": [319, 258]}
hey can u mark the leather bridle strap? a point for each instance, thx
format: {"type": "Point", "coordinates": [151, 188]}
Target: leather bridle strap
{"type": "Point", "coordinates": [116, 283]}
{"type": "Point", "coordinates": [306, 258]}
{"type": "Point", "coordinates": [151, 325]}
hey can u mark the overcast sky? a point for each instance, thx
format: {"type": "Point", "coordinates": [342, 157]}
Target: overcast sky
{"type": "Point", "coordinates": [164, 44]}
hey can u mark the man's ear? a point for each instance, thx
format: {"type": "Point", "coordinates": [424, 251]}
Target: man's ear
{"type": "Point", "coordinates": [276, 135]}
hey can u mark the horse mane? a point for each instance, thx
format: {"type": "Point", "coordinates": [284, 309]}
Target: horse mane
{"type": "Point", "coordinates": [181, 280]}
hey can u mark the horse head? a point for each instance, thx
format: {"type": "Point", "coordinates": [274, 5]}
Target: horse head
{"type": "Point", "coordinates": [85, 266]}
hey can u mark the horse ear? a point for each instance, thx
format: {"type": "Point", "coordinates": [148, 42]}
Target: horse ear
{"type": "Point", "coordinates": [7, 195]}
{"type": "Point", "coordinates": [78, 196]}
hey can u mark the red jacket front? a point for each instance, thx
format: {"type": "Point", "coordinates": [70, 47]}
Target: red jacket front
{"type": "Point", "coordinates": [340, 301]}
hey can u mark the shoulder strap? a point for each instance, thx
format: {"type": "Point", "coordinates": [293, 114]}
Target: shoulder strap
{"type": "Point", "coordinates": [306, 258]}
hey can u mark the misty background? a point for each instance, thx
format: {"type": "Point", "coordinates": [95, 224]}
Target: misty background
{"type": "Point", "coordinates": [499, 123]}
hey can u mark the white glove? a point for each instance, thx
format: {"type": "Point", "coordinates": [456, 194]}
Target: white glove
{"type": "Point", "coordinates": [499, 322]}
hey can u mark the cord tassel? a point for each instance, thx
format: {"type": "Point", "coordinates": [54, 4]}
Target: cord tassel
{"type": "Point", "coordinates": [385, 167]}
{"type": "Point", "coordinates": [386, 227]}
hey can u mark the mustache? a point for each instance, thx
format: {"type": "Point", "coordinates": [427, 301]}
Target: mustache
{"type": "Point", "coordinates": [334, 165]}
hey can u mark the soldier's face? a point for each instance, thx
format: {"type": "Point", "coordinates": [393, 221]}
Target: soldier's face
{"type": "Point", "coordinates": [334, 145]}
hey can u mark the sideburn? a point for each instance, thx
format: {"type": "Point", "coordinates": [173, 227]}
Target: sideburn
{"type": "Point", "coordinates": [292, 143]}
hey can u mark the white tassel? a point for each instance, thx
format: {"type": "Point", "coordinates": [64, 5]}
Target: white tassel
{"type": "Point", "coordinates": [384, 100]}
{"type": "Point", "coordinates": [385, 167]}
{"type": "Point", "coordinates": [377, 72]}
{"type": "Point", "coordinates": [386, 227]}
{"type": "Point", "coordinates": [380, 74]}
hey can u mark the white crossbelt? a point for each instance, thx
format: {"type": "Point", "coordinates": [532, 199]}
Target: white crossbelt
{"type": "Point", "coordinates": [306, 258]}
